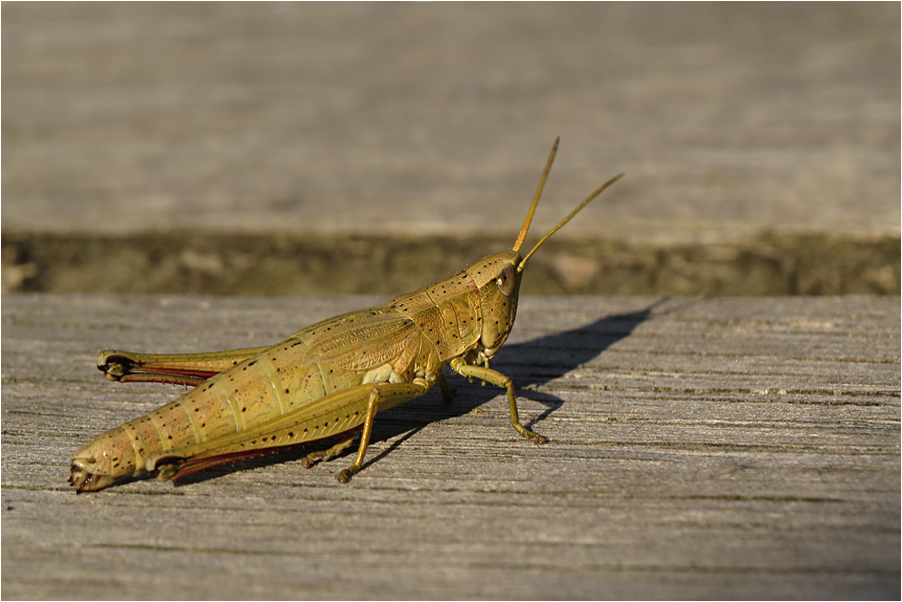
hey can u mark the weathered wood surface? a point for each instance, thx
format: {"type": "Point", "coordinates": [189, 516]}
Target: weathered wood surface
{"type": "Point", "coordinates": [415, 118]}
{"type": "Point", "coordinates": [725, 448]}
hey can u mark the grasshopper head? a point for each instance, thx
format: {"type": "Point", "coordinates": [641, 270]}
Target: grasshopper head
{"type": "Point", "coordinates": [498, 280]}
{"type": "Point", "coordinates": [498, 276]}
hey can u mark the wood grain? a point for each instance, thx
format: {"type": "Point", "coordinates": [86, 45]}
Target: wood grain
{"type": "Point", "coordinates": [725, 448]}
{"type": "Point", "coordinates": [429, 118]}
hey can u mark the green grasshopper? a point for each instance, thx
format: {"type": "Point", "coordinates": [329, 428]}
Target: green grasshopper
{"type": "Point", "coordinates": [327, 381]}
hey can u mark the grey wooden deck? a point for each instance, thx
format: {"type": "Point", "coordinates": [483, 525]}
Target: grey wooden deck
{"type": "Point", "coordinates": [436, 118]}
{"type": "Point", "coordinates": [728, 448]}
{"type": "Point", "coordinates": [724, 448]}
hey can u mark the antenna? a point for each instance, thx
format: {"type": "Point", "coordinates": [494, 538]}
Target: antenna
{"type": "Point", "coordinates": [565, 220]}
{"type": "Point", "coordinates": [535, 200]}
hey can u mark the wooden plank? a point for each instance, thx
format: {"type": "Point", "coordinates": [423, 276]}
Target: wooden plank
{"type": "Point", "coordinates": [429, 118]}
{"type": "Point", "coordinates": [718, 448]}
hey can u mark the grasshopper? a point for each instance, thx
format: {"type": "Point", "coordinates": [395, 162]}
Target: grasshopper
{"type": "Point", "coordinates": [327, 381]}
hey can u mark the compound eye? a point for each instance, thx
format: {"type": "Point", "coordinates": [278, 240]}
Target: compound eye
{"type": "Point", "coordinates": [505, 280]}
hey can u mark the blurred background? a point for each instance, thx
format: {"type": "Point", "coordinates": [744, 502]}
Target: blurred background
{"type": "Point", "coordinates": [261, 149]}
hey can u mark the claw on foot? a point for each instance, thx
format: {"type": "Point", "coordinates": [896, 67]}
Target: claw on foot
{"type": "Point", "coordinates": [345, 475]}
{"type": "Point", "coordinates": [532, 436]}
